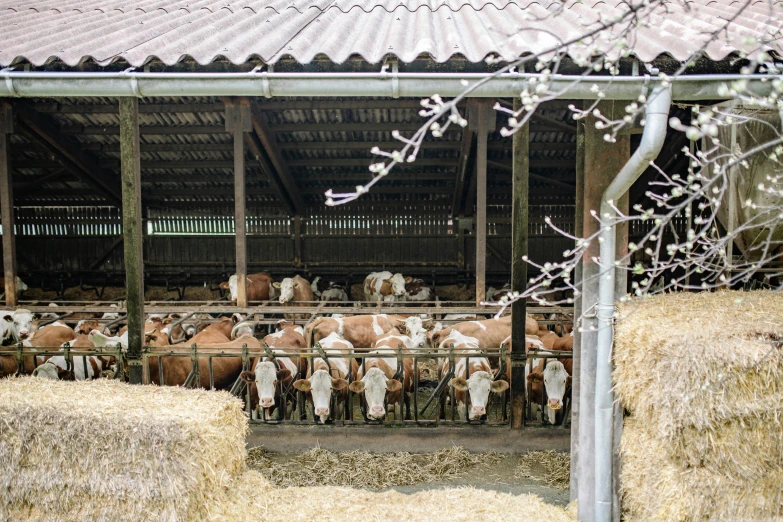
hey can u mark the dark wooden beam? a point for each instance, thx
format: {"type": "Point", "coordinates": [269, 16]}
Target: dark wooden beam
{"type": "Point", "coordinates": [113, 130]}
{"type": "Point", "coordinates": [39, 128]}
{"type": "Point", "coordinates": [365, 162]}
{"type": "Point", "coordinates": [266, 137]}
{"type": "Point", "coordinates": [239, 123]}
{"type": "Point", "coordinates": [132, 233]}
{"type": "Point", "coordinates": [7, 206]}
{"type": "Point", "coordinates": [537, 164]}
{"type": "Point", "coordinates": [466, 145]}
{"type": "Point", "coordinates": [519, 248]}
{"type": "Point", "coordinates": [150, 108]}
{"type": "Point", "coordinates": [553, 123]}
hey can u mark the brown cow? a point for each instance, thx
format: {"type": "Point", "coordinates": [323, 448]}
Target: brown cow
{"type": "Point", "coordinates": [418, 290]}
{"type": "Point", "coordinates": [51, 336]}
{"type": "Point", "coordinates": [267, 376]}
{"type": "Point", "coordinates": [259, 287]}
{"type": "Point", "coordinates": [490, 333]}
{"type": "Point", "coordinates": [360, 330]}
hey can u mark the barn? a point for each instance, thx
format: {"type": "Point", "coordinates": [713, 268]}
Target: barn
{"type": "Point", "coordinates": [151, 152]}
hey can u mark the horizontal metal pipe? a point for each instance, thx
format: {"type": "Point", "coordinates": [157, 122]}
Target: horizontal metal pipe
{"type": "Point", "coordinates": [141, 84]}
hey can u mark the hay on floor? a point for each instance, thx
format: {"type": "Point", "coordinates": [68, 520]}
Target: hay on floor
{"type": "Point", "coordinates": [550, 467]}
{"type": "Point", "coordinates": [702, 377]}
{"type": "Point", "coordinates": [361, 469]}
{"type": "Point", "coordinates": [105, 450]}
{"type": "Point", "coordinates": [253, 498]}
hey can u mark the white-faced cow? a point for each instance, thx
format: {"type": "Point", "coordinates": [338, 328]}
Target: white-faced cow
{"type": "Point", "coordinates": [16, 326]}
{"type": "Point", "coordinates": [295, 291]}
{"type": "Point", "coordinates": [268, 377]}
{"type": "Point", "coordinates": [325, 378]}
{"type": "Point", "coordinates": [259, 287]}
{"type": "Point", "coordinates": [385, 287]}
{"type": "Point", "coordinates": [473, 391]}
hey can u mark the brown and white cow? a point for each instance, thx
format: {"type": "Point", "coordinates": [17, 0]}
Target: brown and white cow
{"type": "Point", "coordinates": [385, 287]}
{"type": "Point", "coordinates": [360, 330]}
{"type": "Point", "coordinates": [554, 376]}
{"type": "Point", "coordinates": [259, 287]}
{"type": "Point", "coordinates": [489, 332]}
{"type": "Point", "coordinates": [50, 336]}
{"type": "Point", "coordinates": [267, 377]}
{"type": "Point", "coordinates": [295, 291]}
{"type": "Point", "coordinates": [324, 379]}
{"type": "Point", "coordinates": [418, 290]}
{"type": "Point", "coordinates": [494, 295]}
{"type": "Point", "coordinates": [56, 367]}
{"type": "Point", "coordinates": [16, 326]}
{"type": "Point", "coordinates": [328, 291]}
{"type": "Point", "coordinates": [473, 390]}
{"type": "Point", "coordinates": [378, 375]}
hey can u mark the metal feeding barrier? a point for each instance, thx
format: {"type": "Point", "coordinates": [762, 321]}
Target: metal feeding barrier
{"type": "Point", "coordinates": [290, 404]}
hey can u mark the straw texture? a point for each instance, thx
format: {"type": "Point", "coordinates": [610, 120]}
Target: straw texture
{"type": "Point", "coordinates": [104, 450]}
{"type": "Point", "coordinates": [701, 376]}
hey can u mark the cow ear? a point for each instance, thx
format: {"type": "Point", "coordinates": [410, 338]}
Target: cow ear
{"type": "Point", "coordinates": [8, 318]}
{"type": "Point", "coordinates": [402, 329]}
{"type": "Point", "coordinates": [276, 285]}
{"type": "Point", "coordinates": [459, 383]}
{"type": "Point", "coordinates": [247, 376]}
{"type": "Point", "coordinates": [393, 385]}
{"type": "Point", "coordinates": [224, 286]}
{"type": "Point", "coordinates": [36, 316]}
{"type": "Point", "coordinates": [356, 386]}
{"type": "Point", "coordinates": [302, 385]}
{"type": "Point", "coordinates": [408, 280]}
{"type": "Point", "coordinates": [499, 386]}
{"type": "Point", "coordinates": [283, 374]}
{"type": "Point", "coordinates": [339, 384]}
{"type": "Point", "coordinates": [568, 381]}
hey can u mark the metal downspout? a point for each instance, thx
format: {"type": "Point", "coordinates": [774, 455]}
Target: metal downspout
{"type": "Point", "coordinates": [657, 116]}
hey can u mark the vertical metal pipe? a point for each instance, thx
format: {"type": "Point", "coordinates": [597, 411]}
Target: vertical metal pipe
{"type": "Point", "coordinates": [519, 249]}
{"type": "Point", "coordinates": [7, 207]}
{"type": "Point", "coordinates": [575, 381]}
{"type": "Point", "coordinates": [656, 115]}
{"type": "Point", "coordinates": [130, 167]}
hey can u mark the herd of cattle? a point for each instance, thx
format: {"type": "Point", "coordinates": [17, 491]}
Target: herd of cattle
{"type": "Point", "coordinates": [325, 381]}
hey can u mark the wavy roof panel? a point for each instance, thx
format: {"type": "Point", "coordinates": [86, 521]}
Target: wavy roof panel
{"type": "Point", "coordinates": [75, 31]}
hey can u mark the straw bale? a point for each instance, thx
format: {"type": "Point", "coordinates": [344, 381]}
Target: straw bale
{"type": "Point", "coordinates": [253, 498]}
{"type": "Point", "coordinates": [96, 450]}
{"type": "Point", "coordinates": [362, 469]}
{"type": "Point", "coordinates": [656, 486]}
{"type": "Point", "coordinates": [706, 371]}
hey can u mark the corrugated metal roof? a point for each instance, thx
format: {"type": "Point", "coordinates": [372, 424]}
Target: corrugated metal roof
{"type": "Point", "coordinates": [75, 31]}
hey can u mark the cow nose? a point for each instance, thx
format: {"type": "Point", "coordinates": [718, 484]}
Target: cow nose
{"type": "Point", "coordinates": [322, 411]}
{"type": "Point", "coordinates": [377, 411]}
{"type": "Point", "coordinates": [479, 410]}
{"type": "Point", "coordinates": [266, 402]}
{"type": "Point", "coordinates": [23, 333]}
{"type": "Point", "coordinates": [554, 404]}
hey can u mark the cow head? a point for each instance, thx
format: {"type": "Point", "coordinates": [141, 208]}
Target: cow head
{"type": "Point", "coordinates": [374, 384]}
{"type": "Point", "coordinates": [314, 286]}
{"type": "Point", "coordinates": [478, 387]}
{"type": "Point", "coordinates": [243, 328]}
{"type": "Point", "coordinates": [320, 385]}
{"type": "Point", "coordinates": [231, 286]}
{"type": "Point", "coordinates": [556, 381]}
{"type": "Point", "coordinates": [287, 287]}
{"type": "Point", "coordinates": [266, 376]}
{"type": "Point", "coordinates": [397, 283]}
{"type": "Point", "coordinates": [101, 340]}
{"type": "Point", "coordinates": [21, 324]}
{"type": "Point", "coordinates": [85, 326]}
{"type": "Point", "coordinates": [51, 371]}
{"type": "Point", "coordinates": [6, 323]}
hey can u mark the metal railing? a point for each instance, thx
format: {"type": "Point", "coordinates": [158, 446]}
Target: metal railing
{"type": "Point", "coordinates": [21, 352]}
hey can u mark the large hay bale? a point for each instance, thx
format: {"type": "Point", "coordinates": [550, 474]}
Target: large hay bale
{"type": "Point", "coordinates": [104, 450]}
{"type": "Point", "coordinates": [702, 377]}
{"type": "Point", "coordinates": [253, 498]}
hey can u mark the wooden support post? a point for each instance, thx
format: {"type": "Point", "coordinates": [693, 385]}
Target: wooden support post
{"type": "Point", "coordinates": [7, 207]}
{"type": "Point", "coordinates": [298, 241]}
{"type": "Point", "coordinates": [482, 119]}
{"type": "Point", "coordinates": [130, 168]}
{"type": "Point", "coordinates": [602, 162]}
{"type": "Point", "coordinates": [519, 249]}
{"type": "Point", "coordinates": [238, 122]}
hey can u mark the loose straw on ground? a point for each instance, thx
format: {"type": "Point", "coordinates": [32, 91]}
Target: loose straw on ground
{"type": "Point", "coordinates": [550, 467]}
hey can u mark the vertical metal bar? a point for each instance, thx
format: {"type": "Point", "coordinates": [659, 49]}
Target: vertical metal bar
{"type": "Point", "coordinates": [160, 371]}
{"type": "Point", "coordinates": [467, 392]}
{"type": "Point", "coordinates": [519, 249]}
{"type": "Point", "coordinates": [416, 387]}
{"type": "Point", "coordinates": [211, 374]}
{"type": "Point", "coordinates": [576, 355]}
{"type": "Point", "coordinates": [298, 241]}
{"type": "Point", "coordinates": [453, 371]}
{"type": "Point", "coordinates": [7, 207]}
{"type": "Point", "coordinates": [732, 224]}
{"type": "Point", "coordinates": [130, 168]}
